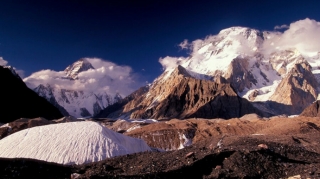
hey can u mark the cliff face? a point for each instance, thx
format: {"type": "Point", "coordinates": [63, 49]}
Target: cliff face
{"type": "Point", "coordinates": [297, 90]}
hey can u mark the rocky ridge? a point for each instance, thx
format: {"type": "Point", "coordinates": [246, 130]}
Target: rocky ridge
{"type": "Point", "coordinates": [312, 111]}
{"type": "Point", "coordinates": [182, 96]}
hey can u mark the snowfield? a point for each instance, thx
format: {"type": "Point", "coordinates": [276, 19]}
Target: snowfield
{"type": "Point", "coordinates": [69, 143]}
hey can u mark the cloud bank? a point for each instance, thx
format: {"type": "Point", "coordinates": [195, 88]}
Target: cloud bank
{"type": "Point", "coordinates": [106, 77]}
{"type": "Point", "coordinates": [3, 62]}
{"type": "Point", "coordinates": [302, 35]}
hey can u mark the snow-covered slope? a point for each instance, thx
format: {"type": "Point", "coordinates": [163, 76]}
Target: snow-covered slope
{"type": "Point", "coordinates": [76, 103]}
{"type": "Point", "coordinates": [69, 143]}
{"type": "Point", "coordinates": [76, 91]}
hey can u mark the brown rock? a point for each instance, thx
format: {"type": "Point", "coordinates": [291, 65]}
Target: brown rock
{"type": "Point", "coordinates": [263, 146]}
{"type": "Point", "coordinates": [239, 76]}
{"type": "Point", "coordinates": [312, 111]}
{"type": "Point", "coordinates": [181, 96]}
{"type": "Point", "coordinates": [253, 95]}
{"type": "Point", "coordinates": [190, 154]}
{"type": "Point", "coordinates": [296, 91]}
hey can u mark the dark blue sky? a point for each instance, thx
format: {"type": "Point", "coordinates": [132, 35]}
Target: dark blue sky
{"type": "Point", "coordinates": [51, 34]}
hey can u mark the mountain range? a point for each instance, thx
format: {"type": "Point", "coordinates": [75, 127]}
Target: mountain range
{"type": "Point", "coordinates": [228, 75]}
{"type": "Point", "coordinates": [236, 72]}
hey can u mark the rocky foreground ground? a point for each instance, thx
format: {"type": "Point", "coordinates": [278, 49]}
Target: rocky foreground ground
{"type": "Point", "coordinates": [264, 148]}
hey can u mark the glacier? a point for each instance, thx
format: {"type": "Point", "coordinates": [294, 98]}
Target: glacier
{"type": "Point", "coordinates": [69, 143]}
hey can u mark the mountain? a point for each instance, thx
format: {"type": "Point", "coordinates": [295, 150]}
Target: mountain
{"type": "Point", "coordinates": [237, 63]}
{"type": "Point", "coordinates": [77, 67]}
{"type": "Point", "coordinates": [18, 101]}
{"type": "Point", "coordinates": [182, 96]}
{"type": "Point", "coordinates": [85, 102]}
{"type": "Point", "coordinates": [69, 143]}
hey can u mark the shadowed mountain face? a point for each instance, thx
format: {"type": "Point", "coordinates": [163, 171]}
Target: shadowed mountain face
{"type": "Point", "coordinates": [312, 111]}
{"type": "Point", "coordinates": [182, 96]}
{"type": "Point", "coordinates": [18, 101]}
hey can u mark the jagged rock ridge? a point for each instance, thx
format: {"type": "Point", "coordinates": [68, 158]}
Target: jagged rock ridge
{"type": "Point", "coordinates": [182, 96]}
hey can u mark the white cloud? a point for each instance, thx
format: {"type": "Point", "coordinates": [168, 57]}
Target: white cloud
{"type": "Point", "coordinates": [184, 45]}
{"type": "Point", "coordinates": [302, 35]}
{"type": "Point", "coordinates": [169, 63]}
{"type": "Point", "coordinates": [284, 26]}
{"type": "Point", "coordinates": [18, 71]}
{"type": "Point", "coordinates": [106, 77]}
{"type": "Point", "coordinates": [3, 62]}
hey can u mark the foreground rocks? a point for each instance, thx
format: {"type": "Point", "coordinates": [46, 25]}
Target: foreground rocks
{"type": "Point", "coordinates": [267, 148]}
{"type": "Point", "coordinates": [239, 157]}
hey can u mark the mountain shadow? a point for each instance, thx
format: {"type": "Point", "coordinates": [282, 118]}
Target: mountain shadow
{"type": "Point", "coordinates": [18, 101]}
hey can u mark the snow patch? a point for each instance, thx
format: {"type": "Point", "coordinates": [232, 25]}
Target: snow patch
{"type": "Point", "coordinates": [133, 128]}
{"type": "Point", "coordinates": [184, 141]}
{"type": "Point", "coordinates": [148, 121]}
{"type": "Point", "coordinates": [5, 125]}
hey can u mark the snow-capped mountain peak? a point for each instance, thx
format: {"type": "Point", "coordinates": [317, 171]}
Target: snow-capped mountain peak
{"type": "Point", "coordinates": [255, 63]}
{"type": "Point", "coordinates": [77, 67]}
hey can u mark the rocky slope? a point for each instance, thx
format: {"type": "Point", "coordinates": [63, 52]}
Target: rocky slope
{"type": "Point", "coordinates": [182, 96]}
{"type": "Point", "coordinates": [297, 90]}
{"type": "Point", "coordinates": [115, 110]}
{"type": "Point", "coordinates": [312, 111]}
{"type": "Point", "coordinates": [18, 101]}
